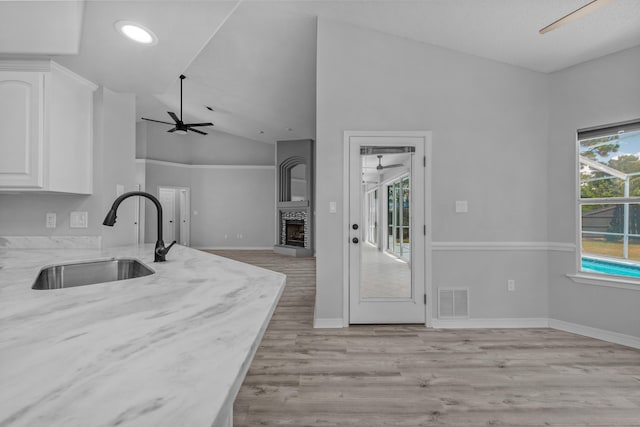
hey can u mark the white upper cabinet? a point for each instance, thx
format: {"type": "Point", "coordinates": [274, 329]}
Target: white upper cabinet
{"type": "Point", "coordinates": [46, 128]}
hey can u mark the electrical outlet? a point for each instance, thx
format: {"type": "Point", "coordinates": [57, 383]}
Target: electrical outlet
{"type": "Point", "coordinates": [50, 221]}
{"type": "Point", "coordinates": [462, 206]}
{"type": "Point", "coordinates": [511, 285]}
{"type": "Point", "coordinates": [79, 220]}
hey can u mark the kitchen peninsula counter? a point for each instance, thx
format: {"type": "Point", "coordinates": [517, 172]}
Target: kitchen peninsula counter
{"type": "Point", "coordinates": [169, 349]}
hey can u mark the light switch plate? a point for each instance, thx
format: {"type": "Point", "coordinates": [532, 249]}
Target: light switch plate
{"type": "Point", "coordinates": [79, 220]}
{"type": "Point", "coordinates": [462, 206]}
{"type": "Point", "coordinates": [332, 207]}
{"type": "Point", "coordinates": [50, 221]}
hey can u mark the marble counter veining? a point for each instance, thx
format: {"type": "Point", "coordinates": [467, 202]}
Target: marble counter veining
{"type": "Point", "coordinates": [169, 349]}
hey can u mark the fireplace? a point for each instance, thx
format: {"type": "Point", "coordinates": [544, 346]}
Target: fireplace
{"type": "Point", "coordinates": [294, 203]}
{"type": "Point", "coordinates": [294, 228]}
{"type": "Point", "coordinates": [294, 232]}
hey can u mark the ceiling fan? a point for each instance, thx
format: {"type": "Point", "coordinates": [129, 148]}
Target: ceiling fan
{"type": "Point", "coordinates": [181, 127]}
{"type": "Point", "coordinates": [576, 14]}
{"type": "Point", "coordinates": [380, 168]}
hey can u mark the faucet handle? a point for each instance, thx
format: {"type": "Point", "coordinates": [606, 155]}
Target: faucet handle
{"type": "Point", "coordinates": [164, 251]}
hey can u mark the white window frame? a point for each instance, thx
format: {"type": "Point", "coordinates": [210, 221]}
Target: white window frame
{"type": "Point", "coordinates": [590, 278]}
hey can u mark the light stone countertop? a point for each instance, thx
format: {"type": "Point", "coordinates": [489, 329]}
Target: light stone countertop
{"type": "Point", "coordinates": [169, 349]}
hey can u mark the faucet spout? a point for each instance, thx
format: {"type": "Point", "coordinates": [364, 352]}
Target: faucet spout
{"type": "Point", "coordinates": [160, 251]}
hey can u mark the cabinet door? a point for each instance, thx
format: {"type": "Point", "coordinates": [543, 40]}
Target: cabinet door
{"type": "Point", "coordinates": [21, 129]}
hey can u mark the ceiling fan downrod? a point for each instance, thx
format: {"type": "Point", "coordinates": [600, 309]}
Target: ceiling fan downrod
{"type": "Point", "coordinates": [182, 77]}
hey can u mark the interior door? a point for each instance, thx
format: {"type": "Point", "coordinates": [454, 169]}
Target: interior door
{"type": "Point", "coordinates": [167, 198]}
{"type": "Point", "coordinates": [184, 216]}
{"type": "Point", "coordinates": [386, 275]}
{"type": "Point", "coordinates": [137, 214]}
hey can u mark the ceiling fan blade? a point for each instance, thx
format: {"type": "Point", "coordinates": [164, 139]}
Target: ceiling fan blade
{"type": "Point", "coordinates": [198, 124]}
{"type": "Point", "coordinates": [576, 14]}
{"type": "Point", "coordinates": [197, 131]}
{"type": "Point", "coordinates": [157, 121]}
{"type": "Point", "coordinates": [172, 130]}
{"type": "Point", "coordinates": [173, 116]}
{"type": "Point", "coordinates": [397, 165]}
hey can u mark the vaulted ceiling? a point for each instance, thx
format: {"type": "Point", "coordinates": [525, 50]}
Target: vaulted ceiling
{"type": "Point", "coordinates": [253, 61]}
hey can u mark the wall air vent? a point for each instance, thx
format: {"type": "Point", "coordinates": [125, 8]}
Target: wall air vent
{"type": "Point", "coordinates": [453, 303]}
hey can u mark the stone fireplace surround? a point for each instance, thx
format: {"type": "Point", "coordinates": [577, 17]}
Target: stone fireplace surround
{"type": "Point", "coordinates": [291, 216]}
{"type": "Point", "coordinates": [290, 154]}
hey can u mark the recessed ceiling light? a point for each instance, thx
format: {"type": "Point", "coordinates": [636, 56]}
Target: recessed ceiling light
{"type": "Point", "coordinates": [136, 32]}
{"type": "Point", "coordinates": [209, 108]}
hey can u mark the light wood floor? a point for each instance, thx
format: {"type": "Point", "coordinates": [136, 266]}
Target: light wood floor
{"type": "Point", "coordinates": [414, 376]}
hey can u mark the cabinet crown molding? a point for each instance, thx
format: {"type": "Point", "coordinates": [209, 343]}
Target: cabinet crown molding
{"type": "Point", "coordinates": [42, 66]}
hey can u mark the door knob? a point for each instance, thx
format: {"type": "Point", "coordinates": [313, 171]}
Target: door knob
{"type": "Point", "coordinates": [355, 240]}
{"type": "Point", "coordinates": [355, 226]}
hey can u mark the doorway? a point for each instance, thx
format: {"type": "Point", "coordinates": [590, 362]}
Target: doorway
{"type": "Point", "coordinates": [176, 219]}
{"type": "Point", "coordinates": [386, 223]}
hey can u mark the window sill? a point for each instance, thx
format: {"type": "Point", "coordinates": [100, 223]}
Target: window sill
{"type": "Point", "coordinates": [603, 280]}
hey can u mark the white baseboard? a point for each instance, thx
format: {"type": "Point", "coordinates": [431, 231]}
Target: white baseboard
{"type": "Point", "coordinates": [328, 323]}
{"type": "Point", "coordinates": [600, 334]}
{"type": "Point", "coordinates": [231, 248]}
{"type": "Point", "coordinates": [534, 322]}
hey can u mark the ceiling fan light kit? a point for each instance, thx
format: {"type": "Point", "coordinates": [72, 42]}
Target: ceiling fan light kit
{"type": "Point", "coordinates": [180, 127]}
{"type": "Point", "coordinates": [576, 14]}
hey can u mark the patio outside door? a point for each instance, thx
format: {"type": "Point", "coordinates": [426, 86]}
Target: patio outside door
{"type": "Point", "coordinates": [386, 230]}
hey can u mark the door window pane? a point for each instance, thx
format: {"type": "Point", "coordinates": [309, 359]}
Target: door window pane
{"type": "Point", "coordinates": [385, 270]}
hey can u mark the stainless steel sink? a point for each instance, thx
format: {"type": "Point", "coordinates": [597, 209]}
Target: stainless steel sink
{"type": "Point", "coordinates": [89, 273]}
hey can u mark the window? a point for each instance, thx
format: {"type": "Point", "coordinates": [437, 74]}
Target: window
{"type": "Point", "coordinates": [372, 219]}
{"type": "Point", "coordinates": [398, 218]}
{"type": "Point", "coordinates": [609, 199]}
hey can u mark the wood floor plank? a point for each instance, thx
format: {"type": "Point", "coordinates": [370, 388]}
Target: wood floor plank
{"type": "Point", "coordinates": [406, 375]}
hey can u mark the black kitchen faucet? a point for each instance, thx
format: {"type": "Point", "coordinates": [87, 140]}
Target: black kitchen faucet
{"type": "Point", "coordinates": [160, 251]}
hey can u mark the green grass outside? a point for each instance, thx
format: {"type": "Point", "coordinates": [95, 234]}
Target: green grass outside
{"type": "Point", "coordinates": [610, 249]}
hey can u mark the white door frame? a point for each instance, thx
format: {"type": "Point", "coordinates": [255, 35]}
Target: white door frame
{"type": "Point", "coordinates": [426, 137]}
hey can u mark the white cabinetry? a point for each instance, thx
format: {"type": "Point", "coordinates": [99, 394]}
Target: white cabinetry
{"type": "Point", "coordinates": [46, 128]}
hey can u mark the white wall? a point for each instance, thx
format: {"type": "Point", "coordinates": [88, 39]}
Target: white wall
{"type": "Point", "coordinates": [118, 165]}
{"type": "Point", "coordinates": [489, 122]}
{"type": "Point", "coordinates": [113, 162]}
{"type": "Point", "coordinates": [216, 148]}
{"type": "Point", "coordinates": [599, 92]}
{"type": "Point", "coordinates": [232, 189]}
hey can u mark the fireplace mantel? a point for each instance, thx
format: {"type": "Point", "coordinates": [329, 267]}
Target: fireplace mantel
{"type": "Point", "coordinates": [293, 205]}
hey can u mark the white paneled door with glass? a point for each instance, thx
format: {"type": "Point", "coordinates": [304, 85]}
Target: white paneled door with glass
{"type": "Point", "coordinates": [387, 224]}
